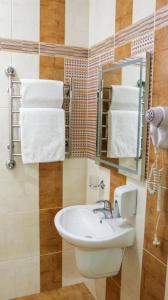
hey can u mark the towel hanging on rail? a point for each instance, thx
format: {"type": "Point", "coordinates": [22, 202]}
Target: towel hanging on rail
{"type": "Point", "coordinates": [124, 98]}
{"type": "Point", "coordinates": [122, 133]}
{"type": "Point", "coordinates": [41, 93]}
{"type": "Point", "coordinates": [42, 134]}
{"type": "Point", "coordinates": [42, 121]}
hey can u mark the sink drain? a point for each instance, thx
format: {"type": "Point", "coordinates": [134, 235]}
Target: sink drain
{"type": "Point", "coordinates": [88, 236]}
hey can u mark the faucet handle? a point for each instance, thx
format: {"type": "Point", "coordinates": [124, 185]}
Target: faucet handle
{"type": "Point", "coordinates": [107, 204]}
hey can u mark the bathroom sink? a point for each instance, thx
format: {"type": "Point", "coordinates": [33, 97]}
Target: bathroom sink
{"type": "Point", "coordinates": [99, 243]}
{"type": "Point", "coordinates": [79, 226]}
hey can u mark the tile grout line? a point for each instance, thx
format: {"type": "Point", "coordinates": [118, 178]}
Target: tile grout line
{"type": "Point", "coordinates": [156, 258]}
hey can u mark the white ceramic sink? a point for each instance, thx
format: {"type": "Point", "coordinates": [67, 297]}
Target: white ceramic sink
{"type": "Point", "coordinates": [79, 226]}
{"type": "Point", "coordinates": [99, 243]}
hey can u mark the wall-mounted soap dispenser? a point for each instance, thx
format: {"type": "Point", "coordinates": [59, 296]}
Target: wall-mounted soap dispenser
{"type": "Point", "coordinates": [126, 197]}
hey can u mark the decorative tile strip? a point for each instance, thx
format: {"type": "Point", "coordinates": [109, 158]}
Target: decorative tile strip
{"type": "Point", "coordinates": [77, 70]}
{"type": "Point", "coordinates": [19, 46]}
{"type": "Point", "coordinates": [102, 47]}
{"type": "Point", "coordinates": [144, 43]}
{"type": "Point", "coordinates": [161, 17]}
{"type": "Point", "coordinates": [61, 50]}
{"type": "Point", "coordinates": [126, 35]}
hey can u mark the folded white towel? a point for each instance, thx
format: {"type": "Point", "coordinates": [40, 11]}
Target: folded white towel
{"type": "Point", "coordinates": [125, 98]}
{"type": "Point", "coordinates": [122, 133]}
{"type": "Point", "coordinates": [41, 93]}
{"type": "Point", "coordinates": [42, 134]}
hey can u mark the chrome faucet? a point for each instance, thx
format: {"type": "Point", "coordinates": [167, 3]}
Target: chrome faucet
{"type": "Point", "coordinates": [106, 210]}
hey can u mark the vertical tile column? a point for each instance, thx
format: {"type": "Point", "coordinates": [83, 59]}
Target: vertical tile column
{"type": "Point", "coordinates": [123, 19]}
{"type": "Point", "coordinates": [155, 258]}
{"type": "Point", "coordinates": [161, 3]}
{"type": "Point", "coordinates": [52, 24]}
{"type": "Point", "coordinates": [123, 14]}
{"type": "Point", "coordinates": [113, 284]}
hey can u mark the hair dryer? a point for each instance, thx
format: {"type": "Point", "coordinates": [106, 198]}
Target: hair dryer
{"type": "Point", "coordinates": [158, 119]}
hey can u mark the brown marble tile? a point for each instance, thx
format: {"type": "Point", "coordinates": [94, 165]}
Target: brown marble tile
{"type": "Point", "coordinates": [160, 92]}
{"type": "Point", "coordinates": [51, 184]}
{"type": "Point", "coordinates": [122, 52]}
{"type": "Point", "coordinates": [50, 240]}
{"type": "Point", "coordinates": [123, 14]}
{"type": "Point", "coordinates": [117, 279]}
{"type": "Point", "coordinates": [52, 21]}
{"type": "Point", "coordinates": [73, 292]}
{"type": "Point", "coordinates": [161, 39]}
{"type": "Point", "coordinates": [161, 3]}
{"type": "Point", "coordinates": [50, 271]}
{"type": "Point", "coordinates": [112, 290]}
{"type": "Point", "coordinates": [150, 225]}
{"type": "Point", "coordinates": [110, 78]}
{"type": "Point", "coordinates": [52, 68]}
{"type": "Point", "coordinates": [153, 278]}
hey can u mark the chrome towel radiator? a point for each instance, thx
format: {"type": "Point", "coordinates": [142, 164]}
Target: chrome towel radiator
{"type": "Point", "coordinates": [14, 111]}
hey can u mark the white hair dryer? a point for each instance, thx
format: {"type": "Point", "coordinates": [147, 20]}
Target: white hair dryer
{"type": "Point", "coordinates": [158, 119]}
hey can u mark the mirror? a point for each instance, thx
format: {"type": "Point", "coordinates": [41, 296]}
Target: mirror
{"type": "Point", "coordinates": [122, 100]}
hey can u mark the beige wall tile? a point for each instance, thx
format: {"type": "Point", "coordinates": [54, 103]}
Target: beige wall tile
{"type": "Point", "coordinates": [6, 19]}
{"type": "Point", "coordinates": [27, 276]}
{"type": "Point", "coordinates": [70, 273]}
{"type": "Point", "coordinates": [142, 9]}
{"type": "Point", "coordinates": [77, 17]}
{"type": "Point", "coordinates": [101, 20]}
{"type": "Point", "coordinates": [25, 26]}
{"type": "Point", "coordinates": [22, 235]}
{"type": "Point", "coordinates": [93, 170]}
{"type": "Point", "coordinates": [7, 280]}
{"type": "Point", "coordinates": [74, 191]}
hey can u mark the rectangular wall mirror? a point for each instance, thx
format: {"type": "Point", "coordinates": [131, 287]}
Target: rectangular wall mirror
{"type": "Point", "coordinates": [122, 100]}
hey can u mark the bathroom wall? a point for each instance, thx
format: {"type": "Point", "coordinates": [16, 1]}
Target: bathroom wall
{"type": "Point", "coordinates": [32, 257]}
{"type": "Point", "coordinates": [19, 192]}
{"type": "Point", "coordinates": [139, 27]}
{"type": "Point", "coordinates": [31, 195]}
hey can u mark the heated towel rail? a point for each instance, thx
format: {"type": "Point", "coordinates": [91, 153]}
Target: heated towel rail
{"type": "Point", "coordinates": [104, 98]}
{"type": "Point", "coordinates": [14, 98]}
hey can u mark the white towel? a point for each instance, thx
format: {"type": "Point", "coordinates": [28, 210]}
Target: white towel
{"type": "Point", "coordinates": [42, 134]}
{"type": "Point", "coordinates": [122, 133]}
{"type": "Point", "coordinates": [41, 93]}
{"type": "Point", "coordinates": [125, 98]}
